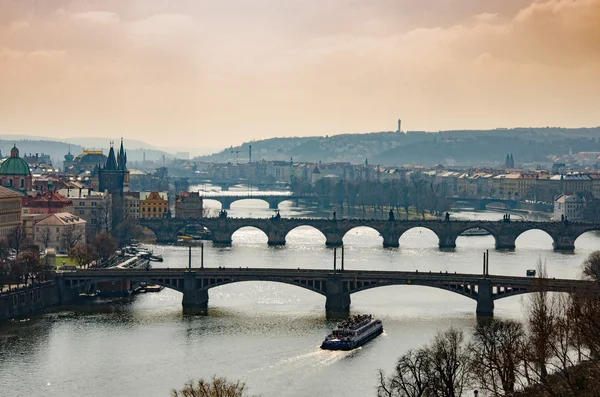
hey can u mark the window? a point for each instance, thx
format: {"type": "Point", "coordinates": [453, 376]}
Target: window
{"type": "Point", "coordinates": [22, 182]}
{"type": "Point", "coordinates": [81, 212]}
{"type": "Point", "coordinates": [57, 230]}
{"type": "Point", "coordinates": [82, 203]}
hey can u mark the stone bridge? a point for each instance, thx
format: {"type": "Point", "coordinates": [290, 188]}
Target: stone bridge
{"type": "Point", "coordinates": [272, 199]}
{"type": "Point", "coordinates": [505, 233]}
{"type": "Point", "coordinates": [336, 286]}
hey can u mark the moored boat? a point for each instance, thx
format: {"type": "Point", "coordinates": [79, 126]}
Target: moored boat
{"type": "Point", "coordinates": [353, 332]}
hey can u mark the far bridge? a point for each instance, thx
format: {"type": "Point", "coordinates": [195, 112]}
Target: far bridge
{"type": "Point", "coordinates": [505, 233]}
{"type": "Point", "coordinates": [336, 286]}
{"type": "Point", "coordinates": [482, 203]}
{"type": "Point", "coordinates": [272, 199]}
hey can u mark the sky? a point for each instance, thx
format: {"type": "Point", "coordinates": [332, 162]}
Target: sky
{"type": "Point", "coordinates": [198, 73]}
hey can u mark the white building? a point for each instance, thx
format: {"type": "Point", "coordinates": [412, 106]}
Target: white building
{"type": "Point", "coordinates": [60, 231]}
{"type": "Point", "coordinates": [569, 207]}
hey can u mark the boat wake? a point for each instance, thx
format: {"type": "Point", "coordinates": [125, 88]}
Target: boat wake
{"type": "Point", "coordinates": [307, 362]}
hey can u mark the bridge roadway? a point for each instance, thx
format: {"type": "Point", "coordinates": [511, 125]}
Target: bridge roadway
{"type": "Point", "coordinates": [505, 234]}
{"type": "Point", "coordinates": [272, 199]}
{"type": "Point", "coordinates": [335, 286]}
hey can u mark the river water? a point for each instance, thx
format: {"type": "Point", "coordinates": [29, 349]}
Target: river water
{"type": "Point", "coordinates": [265, 334]}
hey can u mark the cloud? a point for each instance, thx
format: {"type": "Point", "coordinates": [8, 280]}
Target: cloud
{"type": "Point", "coordinates": [99, 17]}
{"type": "Point", "coordinates": [156, 68]}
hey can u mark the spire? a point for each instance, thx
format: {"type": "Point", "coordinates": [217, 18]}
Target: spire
{"type": "Point", "coordinates": [122, 158]}
{"type": "Point", "coordinates": [111, 161]}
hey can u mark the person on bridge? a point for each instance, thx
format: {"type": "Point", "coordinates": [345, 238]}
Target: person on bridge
{"type": "Point", "coordinates": [392, 217]}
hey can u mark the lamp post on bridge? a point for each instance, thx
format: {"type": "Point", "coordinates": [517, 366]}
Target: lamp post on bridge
{"type": "Point", "coordinates": [201, 257]}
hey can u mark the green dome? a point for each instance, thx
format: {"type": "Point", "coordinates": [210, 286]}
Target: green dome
{"type": "Point", "coordinates": [14, 165]}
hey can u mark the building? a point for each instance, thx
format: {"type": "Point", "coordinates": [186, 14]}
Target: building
{"type": "Point", "coordinates": [154, 205]}
{"type": "Point", "coordinates": [47, 203]}
{"type": "Point", "coordinates": [569, 207]}
{"type": "Point", "coordinates": [93, 207]}
{"type": "Point", "coordinates": [114, 176]}
{"type": "Point", "coordinates": [15, 173]}
{"type": "Point", "coordinates": [131, 204]}
{"type": "Point", "coordinates": [86, 161]}
{"type": "Point", "coordinates": [61, 231]}
{"type": "Point", "coordinates": [10, 211]}
{"type": "Point", "coordinates": [188, 205]}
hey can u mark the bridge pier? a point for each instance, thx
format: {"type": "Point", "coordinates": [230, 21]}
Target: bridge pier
{"type": "Point", "coordinates": [505, 241]}
{"type": "Point", "coordinates": [334, 240]}
{"type": "Point", "coordinates": [391, 240]}
{"type": "Point", "coordinates": [195, 299]}
{"type": "Point", "coordinates": [485, 299]}
{"type": "Point", "coordinates": [337, 300]}
{"type": "Point", "coordinates": [66, 294]}
{"type": "Point", "coordinates": [276, 239]}
{"type": "Point", "coordinates": [225, 204]}
{"type": "Point", "coordinates": [222, 238]}
{"type": "Point", "coordinates": [447, 241]}
{"type": "Point", "coordinates": [563, 243]}
{"type": "Point", "coordinates": [273, 204]}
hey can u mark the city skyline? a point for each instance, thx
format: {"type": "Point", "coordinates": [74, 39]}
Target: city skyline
{"type": "Point", "coordinates": [215, 74]}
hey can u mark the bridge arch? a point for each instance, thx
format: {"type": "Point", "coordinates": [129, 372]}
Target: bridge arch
{"type": "Point", "coordinates": [476, 229]}
{"type": "Point", "coordinates": [175, 284]}
{"type": "Point", "coordinates": [212, 203]}
{"type": "Point", "coordinates": [588, 239]}
{"type": "Point", "coordinates": [363, 236]}
{"type": "Point", "coordinates": [311, 285]}
{"type": "Point", "coordinates": [237, 202]}
{"type": "Point", "coordinates": [463, 290]}
{"type": "Point", "coordinates": [305, 234]}
{"type": "Point", "coordinates": [250, 234]}
{"type": "Point", "coordinates": [536, 238]}
{"type": "Point", "coordinates": [415, 238]}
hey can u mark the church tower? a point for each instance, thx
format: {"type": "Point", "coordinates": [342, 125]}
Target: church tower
{"type": "Point", "coordinates": [114, 177]}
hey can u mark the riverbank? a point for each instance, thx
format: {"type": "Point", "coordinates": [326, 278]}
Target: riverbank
{"type": "Point", "coordinates": [29, 300]}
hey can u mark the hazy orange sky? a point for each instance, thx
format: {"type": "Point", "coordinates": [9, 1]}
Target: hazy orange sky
{"type": "Point", "coordinates": [213, 73]}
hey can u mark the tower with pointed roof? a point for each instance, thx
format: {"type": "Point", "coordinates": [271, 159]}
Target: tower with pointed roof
{"type": "Point", "coordinates": [68, 160]}
{"type": "Point", "coordinates": [114, 176]}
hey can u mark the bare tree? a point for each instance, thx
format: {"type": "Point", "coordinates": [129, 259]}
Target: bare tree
{"type": "Point", "coordinates": [591, 266]}
{"type": "Point", "coordinates": [45, 235]}
{"type": "Point", "coordinates": [497, 355]}
{"type": "Point", "coordinates": [72, 235]}
{"type": "Point", "coordinates": [441, 369]}
{"type": "Point", "coordinates": [412, 377]}
{"type": "Point", "coordinates": [450, 364]}
{"type": "Point", "coordinates": [540, 318]}
{"type": "Point", "coordinates": [217, 387]}
{"type": "Point", "coordinates": [103, 246]}
{"type": "Point", "coordinates": [80, 254]}
{"type": "Point", "coordinates": [17, 239]}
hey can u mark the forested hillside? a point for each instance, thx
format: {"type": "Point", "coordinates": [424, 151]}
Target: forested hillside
{"type": "Point", "coordinates": [477, 147]}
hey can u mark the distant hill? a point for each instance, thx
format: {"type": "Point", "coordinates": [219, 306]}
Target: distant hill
{"type": "Point", "coordinates": [461, 147]}
{"type": "Point", "coordinates": [57, 149]}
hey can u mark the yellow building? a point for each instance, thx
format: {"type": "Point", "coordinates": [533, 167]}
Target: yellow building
{"type": "Point", "coordinates": [10, 211]}
{"type": "Point", "coordinates": [154, 205]}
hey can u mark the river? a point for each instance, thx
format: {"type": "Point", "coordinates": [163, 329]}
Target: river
{"type": "Point", "coordinates": [265, 334]}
